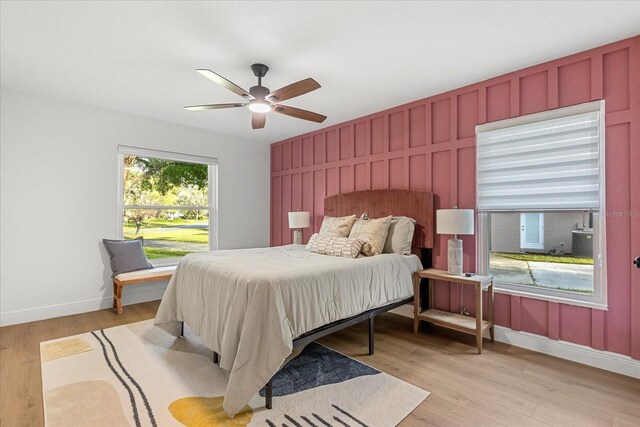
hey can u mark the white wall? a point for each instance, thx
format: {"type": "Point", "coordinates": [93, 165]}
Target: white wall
{"type": "Point", "coordinates": [59, 199]}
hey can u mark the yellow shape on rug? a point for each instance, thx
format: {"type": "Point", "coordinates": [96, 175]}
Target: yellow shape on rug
{"type": "Point", "coordinates": [207, 411]}
{"type": "Point", "coordinates": [58, 349]}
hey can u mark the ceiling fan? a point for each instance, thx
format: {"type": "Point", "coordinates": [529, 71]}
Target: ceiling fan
{"type": "Point", "coordinates": [260, 100]}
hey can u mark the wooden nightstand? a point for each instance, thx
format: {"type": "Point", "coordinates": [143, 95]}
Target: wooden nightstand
{"type": "Point", "coordinates": [470, 325]}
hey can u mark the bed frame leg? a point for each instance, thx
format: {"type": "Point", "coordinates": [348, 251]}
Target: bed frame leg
{"type": "Point", "coordinates": [216, 357]}
{"type": "Point", "coordinates": [269, 395]}
{"type": "Point", "coordinates": [371, 342]}
{"type": "Point", "coordinates": [181, 329]}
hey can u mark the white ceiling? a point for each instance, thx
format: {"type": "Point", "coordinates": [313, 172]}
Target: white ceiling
{"type": "Point", "coordinates": [140, 57]}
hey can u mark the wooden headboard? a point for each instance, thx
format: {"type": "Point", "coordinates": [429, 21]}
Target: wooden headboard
{"type": "Point", "coordinates": [378, 203]}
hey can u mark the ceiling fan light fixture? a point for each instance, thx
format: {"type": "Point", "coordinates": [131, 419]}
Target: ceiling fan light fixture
{"type": "Point", "coordinates": [261, 100]}
{"type": "Point", "coordinates": [259, 106]}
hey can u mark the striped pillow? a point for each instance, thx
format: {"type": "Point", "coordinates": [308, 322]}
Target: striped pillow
{"type": "Point", "coordinates": [327, 244]}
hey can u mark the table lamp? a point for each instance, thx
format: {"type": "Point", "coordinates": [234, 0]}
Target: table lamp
{"type": "Point", "coordinates": [454, 221]}
{"type": "Point", "coordinates": [298, 221]}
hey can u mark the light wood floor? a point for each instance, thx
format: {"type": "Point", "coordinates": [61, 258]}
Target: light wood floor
{"type": "Point", "coordinates": [503, 386]}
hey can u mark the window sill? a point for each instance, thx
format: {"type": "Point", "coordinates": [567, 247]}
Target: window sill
{"type": "Point", "coordinates": [165, 262]}
{"type": "Point", "coordinates": [551, 298]}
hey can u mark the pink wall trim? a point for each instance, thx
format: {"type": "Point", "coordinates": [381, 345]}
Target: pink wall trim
{"type": "Point", "coordinates": [429, 144]}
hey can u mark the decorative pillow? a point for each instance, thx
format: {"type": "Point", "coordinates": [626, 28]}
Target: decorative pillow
{"type": "Point", "coordinates": [327, 244]}
{"type": "Point", "coordinates": [400, 236]}
{"type": "Point", "coordinates": [338, 225]}
{"type": "Point", "coordinates": [126, 255]}
{"type": "Point", "coordinates": [372, 230]}
{"type": "Point", "coordinates": [367, 249]}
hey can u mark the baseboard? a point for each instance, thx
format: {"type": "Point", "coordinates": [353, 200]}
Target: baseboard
{"type": "Point", "coordinates": [131, 296]}
{"type": "Point", "coordinates": [607, 360]}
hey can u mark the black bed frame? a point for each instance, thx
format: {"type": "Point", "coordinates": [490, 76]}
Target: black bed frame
{"type": "Point", "coordinates": [304, 339]}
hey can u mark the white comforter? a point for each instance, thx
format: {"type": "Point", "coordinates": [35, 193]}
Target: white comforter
{"type": "Point", "coordinates": [248, 305]}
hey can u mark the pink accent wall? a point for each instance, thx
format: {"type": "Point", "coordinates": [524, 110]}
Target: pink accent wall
{"type": "Point", "coordinates": [429, 144]}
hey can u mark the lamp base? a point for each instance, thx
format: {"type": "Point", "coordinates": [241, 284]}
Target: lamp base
{"type": "Point", "coordinates": [454, 257]}
{"type": "Point", "coordinates": [297, 236]}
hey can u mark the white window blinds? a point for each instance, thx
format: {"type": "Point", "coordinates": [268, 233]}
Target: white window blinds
{"type": "Point", "coordinates": [543, 164]}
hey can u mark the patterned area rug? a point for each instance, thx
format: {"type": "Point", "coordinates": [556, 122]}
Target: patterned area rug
{"type": "Point", "coordinates": [138, 375]}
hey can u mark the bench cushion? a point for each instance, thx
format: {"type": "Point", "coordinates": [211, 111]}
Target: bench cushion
{"type": "Point", "coordinates": [146, 274]}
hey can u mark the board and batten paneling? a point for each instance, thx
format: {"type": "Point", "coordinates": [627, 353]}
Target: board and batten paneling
{"type": "Point", "coordinates": [429, 145]}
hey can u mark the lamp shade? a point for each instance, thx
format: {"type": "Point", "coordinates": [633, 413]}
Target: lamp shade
{"type": "Point", "coordinates": [454, 221]}
{"type": "Point", "coordinates": [299, 219]}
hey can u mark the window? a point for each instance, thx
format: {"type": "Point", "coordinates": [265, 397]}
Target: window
{"type": "Point", "coordinates": [540, 188]}
{"type": "Point", "coordinates": [169, 199]}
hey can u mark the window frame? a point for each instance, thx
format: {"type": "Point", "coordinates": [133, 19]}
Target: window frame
{"type": "Point", "coordinates": [212, 177]}
{"type": "Point", "coordinates": [598, 299]}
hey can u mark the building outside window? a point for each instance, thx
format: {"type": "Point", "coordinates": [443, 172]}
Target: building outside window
{"type": "Point", "coordinates": [169, 200]}
{"type": "Point", "coordinates": [541, 225]}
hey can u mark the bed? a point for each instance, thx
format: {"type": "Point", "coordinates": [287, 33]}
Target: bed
{"type": "Point", "coordinates": [258, 307]}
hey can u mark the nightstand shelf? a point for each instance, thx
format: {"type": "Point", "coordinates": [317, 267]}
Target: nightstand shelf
{"type": "Point", "coordinates": [458, 322]}
{"type": "Point", "coordinates": [454, 321]}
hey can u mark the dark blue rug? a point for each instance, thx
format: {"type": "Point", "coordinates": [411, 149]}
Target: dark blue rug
{"type": "Point", "coordinates": [316, 366]}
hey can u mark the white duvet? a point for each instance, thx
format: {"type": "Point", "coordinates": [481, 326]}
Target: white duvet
{"type": "Point", "coordinates": [248, 305]}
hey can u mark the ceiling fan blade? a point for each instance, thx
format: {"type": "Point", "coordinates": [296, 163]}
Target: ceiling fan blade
{"type": "Point", "coordinates": [212, 106]}
{"type": "Point", "coordinates": [258, 120]}
{"type": "Point", "coordinates": [293, 90]}
{"type": "Point", "coordinates": [299, 114]}
{"type": "Point", "coordinates": [224, 82]}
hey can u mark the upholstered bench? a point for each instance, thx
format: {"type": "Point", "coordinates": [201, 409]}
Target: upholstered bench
{"type": "Point", "coordinates": [141, 276]}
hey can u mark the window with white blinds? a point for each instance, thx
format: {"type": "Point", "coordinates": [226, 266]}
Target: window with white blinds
{"type": "Point", "coordinates": [545, 161]}
{"type": "Point", "coordinates": [541, 205]}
